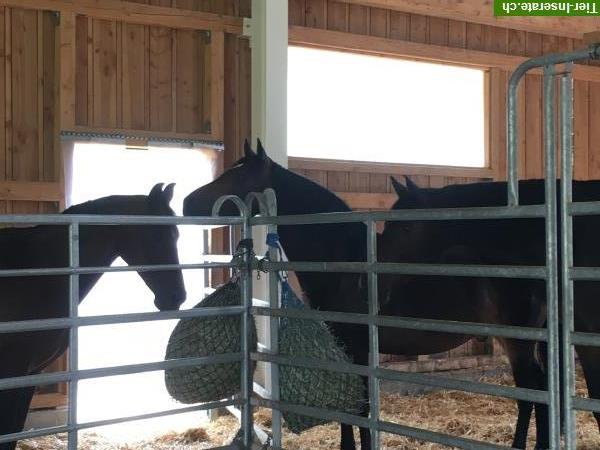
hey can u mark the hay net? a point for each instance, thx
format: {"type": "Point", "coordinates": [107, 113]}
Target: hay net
{"type": "Point", "coordinates": [309, 386]}
{"type": "Point", "coordinates": [208, 336]}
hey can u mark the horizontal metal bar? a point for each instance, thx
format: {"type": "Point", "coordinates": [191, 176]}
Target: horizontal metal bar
{"type": "Point", "coordinates": [530, 272]}
{"type": "Point", "coordinates": [100, 423]}
{"type": "Point", "coordinates": [586, 339]}
{"type": "Point", "coordinates": [383, 426]}
{"type": "Point", "coordinates": [584, 208]}
{"type": "Point", "coordinates": [410, 323]}
{"type": "Point", "coordinates": [66, 322]}
{"type": "Point", "coordinates": [103, 219]}
{"type": "Point", "coordinates": [584, 273]}
{"type": "Point", "coordinates": [487, 212]}
{"type": "Point", "coordinates": [61, 377]}
{"type": "Point", "coordinates": [436, 437]}
{"type": "Point", "coordinates": [586, 404]}
{"type": "Point", "coordinates": [413, 378]}
{"type": "Point", "coordinates": [90, 270]}
{"type": "Point", "coordinates": [515, 393]}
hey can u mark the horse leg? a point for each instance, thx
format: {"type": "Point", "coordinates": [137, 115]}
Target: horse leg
{"type": "Point", "coordinates": [527, 374]}
{"type": "Point", "coordinates": [14, 404]}
{"type": "Point", "coordinates": [589, 357]}
{"type": "Point", "coordinates": [347, 433]}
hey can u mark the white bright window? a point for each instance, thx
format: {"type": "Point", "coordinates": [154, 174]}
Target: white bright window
{"type": "Point", "coordinates": [349, 106]}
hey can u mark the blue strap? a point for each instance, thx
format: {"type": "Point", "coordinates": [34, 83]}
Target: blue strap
{"type": "Point", "coordinates": [289, 299]}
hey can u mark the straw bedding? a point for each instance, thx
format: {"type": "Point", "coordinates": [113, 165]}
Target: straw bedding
{"type": "Point", "coordinates": [462, 414]}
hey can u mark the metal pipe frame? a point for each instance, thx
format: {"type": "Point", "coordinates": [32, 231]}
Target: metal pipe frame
{"type": "Point", "coordinates": [372, 268]}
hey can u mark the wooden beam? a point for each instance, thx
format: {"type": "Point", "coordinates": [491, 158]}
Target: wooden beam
{"type": "Point", "coordinates": [217, 83]}
{"type": "Point", "coordinates": [46, 401]}
{"type": "Point", "coordinates": [129, 12]}
{"type": "Point", "coordinates": [332, 165]}
{"type": "Point", "coordinates": [482, 11]}
{"type": "Point", "coordinates": [371, 45]}
{"type": "Point", "coordinates": [31, 191]}
{"type": "Point", "coordinates": [366, 200]}
{"type": "Point", "coordinates": [142, 134]}
{"type": "Point", "coordinates": [67, 70]}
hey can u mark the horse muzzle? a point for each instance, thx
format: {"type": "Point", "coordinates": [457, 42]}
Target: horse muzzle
{"type": "Point", "coordinates": [170, 302]}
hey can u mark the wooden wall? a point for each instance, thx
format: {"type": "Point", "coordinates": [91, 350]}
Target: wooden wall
{"type": "Point", "coordinates": [359, 24]}
{"type": "Point", "coordinates": [28, 101]}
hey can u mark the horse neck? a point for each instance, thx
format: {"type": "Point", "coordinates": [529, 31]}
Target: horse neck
{"type": "Point", "coordinates": [97, 248]}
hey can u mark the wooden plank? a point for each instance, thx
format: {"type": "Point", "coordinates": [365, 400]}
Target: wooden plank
{"type": "Point", "coordinates": [40, 94]}
{"type": "Point", "coordinates": [475, 36]}
{"type": "Point", "coordinates": [378, 182]}
{"type": "Point", "coordinates": [480, 12]}
{"type": "Point", "coordinates": [436, 181]}
{"type": "Point", "coordinates": [160, 73]}
{"type": "Point", "coordinates": [189, 79]}
{"type": "Point", "coordinates": [419, 28]}
{"type": "Point", "coordinates": [337, 16]}
{"type": "Point", "coordinates": [68, 68]}
{"type": "Point", "coordinates": [379, 22]}
{"type": "Point", "coordinates": [337, 181]}
{"type": "Point", "coordinates": [3, 109]}
{"type": "Point", "coordinates": [497, 122]}
{"type": "Point", "coordinates": [533, 127]}
{"type": "Point", "coordinates": [81, 70]}
{"type": "Point", "coordinates": [594, 131]}
{"type": "Point", "coordinates": [367, 200]}
{"type": "Point", "coordinates": [316, 13]}
{"type": "Point", "coordinates": [25, 89]}
{"type": "Point", "coordinates": [31, 191]}
{"type": "Point", "coordinates": [217, 83]}
{"type": "Point", "coordinates": [105, 75]}
{"type": "Point", "coordinates": [49, 84]}
{"type": "Point", "coordinates": [231, 138]}
{"type": "Point", "coordinates": [134, 99]}
{"type": "Point", "coordinates": [90, 84]}
{"type": "Point", "coordinates": [418, 51]}
{"type": "Point", "coordinates": [359, 19]}
{"type": "Point", "coordinates": [8, 128]}
{"type": "Point", "coordinates": [129, 12]}
{"type": "Point", "coordinates": [517, 42]}
{"type": "Point", "coordinates": [399, 26]}
{"type": "Point", "coordinates": [438, 31]}
{"type": "Point", "coordinates": [581, 130]}
{"type": "Point", "coordinates": [457, 33]}
{"type": "Point", "coordinates": [46, 401]}
{"type": "Point", "coordinates": [295, 163]}
{"type": "Point", "coordinates": [296, 12]}
{"type": "Point", "coordinates": [318, 176]}
{"type": "Point", "coordinates": [358, 182]}
{"type": "Point", "coordinates": [495, 39]}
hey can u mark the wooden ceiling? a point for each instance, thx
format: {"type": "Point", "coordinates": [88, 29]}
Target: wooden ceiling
{"type": "Point", "coordinates": [481, 11]}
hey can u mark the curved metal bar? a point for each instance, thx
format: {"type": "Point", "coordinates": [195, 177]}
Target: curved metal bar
{"type": "Point", "coordinates": [242, 208]}
{"type": "Point", "coordinates": [592, 52]}
{"type": "Point", "coordinates": [260, 200]}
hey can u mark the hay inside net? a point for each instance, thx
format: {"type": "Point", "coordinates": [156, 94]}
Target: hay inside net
{"type": "Point", "coordinates": [207, 336]}
{"type": "Point", "coordinates": [314, 387]}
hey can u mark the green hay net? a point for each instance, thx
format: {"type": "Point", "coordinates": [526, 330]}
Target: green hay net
{"type": "Point", "coordinates": [207, 336]}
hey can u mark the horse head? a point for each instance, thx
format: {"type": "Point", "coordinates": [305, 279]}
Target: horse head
{"type": "Point", "coordinates": [251, 173]}
{"type": "Point", "coordinates": [155, 245]}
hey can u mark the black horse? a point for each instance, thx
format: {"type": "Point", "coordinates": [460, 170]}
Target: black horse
{"type": "Point", "coordinates": [345, 292]}
{"type": "Point", "coordinates": [508, 242]}
{"type": "Point", "coordinates": [44, 297]}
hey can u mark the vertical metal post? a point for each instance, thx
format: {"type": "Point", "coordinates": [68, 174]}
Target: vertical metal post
{"type": "Point", "coordinates": [566, 196]}
{"type": "Point", "coordinates": [73, 332]}
{"type": "Point", "coordinates": [247, 381]}
{"type": "Point", "coordinates": [551, 257]}
{"type": "Point", "coordinates": [512, 131]}
{"type": "Point", "coordinates": [373, 333]}
{"type": "Point", "coordinates": [274, 326]}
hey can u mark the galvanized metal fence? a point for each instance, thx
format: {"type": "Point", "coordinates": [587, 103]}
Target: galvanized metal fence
{"type": "Point", "coordinates": [246, 400]}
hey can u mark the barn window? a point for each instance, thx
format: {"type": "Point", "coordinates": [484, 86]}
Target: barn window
{"type": "Point", "coordinates": [101, 169]}
{"type": "Point", "coordinates": [348, 106]}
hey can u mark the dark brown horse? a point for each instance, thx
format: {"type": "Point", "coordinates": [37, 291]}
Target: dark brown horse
{"type": "Point", "coordinates": [44, 297]}
{"type": "Point", "coordinates": [458, 299]}
{"type": "Point", "coordinates": [505, 242]}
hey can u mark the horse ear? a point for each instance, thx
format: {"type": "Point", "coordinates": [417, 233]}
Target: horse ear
{"type": "Point", "coordinates": [168, 192]}
{"type": "Point", "coordinates": [398, 187]}
{"type": "Point", "coordinates": [260, 150]}
{"type": "Point", "coordinates": [248, 153]}
{"type": "Point", "coordinates": [156, 191]}
{"type": "Point", "coordinates": [410, 184]}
